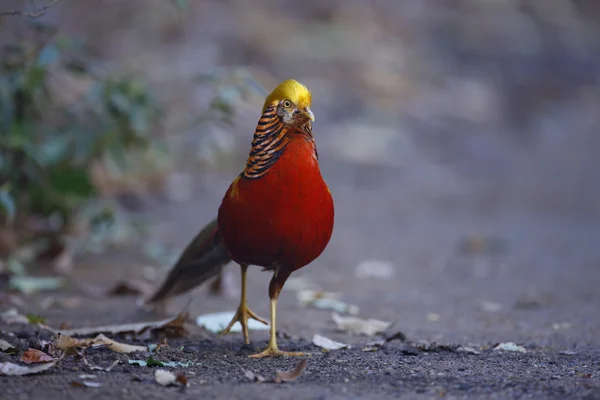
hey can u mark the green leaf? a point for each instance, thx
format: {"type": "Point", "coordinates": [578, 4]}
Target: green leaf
{"type": "Point", "coordinates": [35, 319]}
{"type": "Point", "coordinates": [70, 180]}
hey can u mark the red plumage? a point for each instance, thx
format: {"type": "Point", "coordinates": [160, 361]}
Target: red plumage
{"type": "Point", "coordinates": [283, 219]}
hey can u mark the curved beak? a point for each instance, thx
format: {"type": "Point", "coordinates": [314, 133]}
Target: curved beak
{"type": "Point", "coordinates": [308, 114]}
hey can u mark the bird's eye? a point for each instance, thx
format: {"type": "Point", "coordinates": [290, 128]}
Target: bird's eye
{"type": "Point", "coordinates": [287, 104]}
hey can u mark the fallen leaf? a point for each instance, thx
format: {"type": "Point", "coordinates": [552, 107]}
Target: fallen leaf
{"type": "Point", "coordinates": [375, 269]}
{"type": "Point", "coordinates": [152, 362]}
{"type": "Point", "coordinates": [290, 376]}
{"type": "Point", "coordinates": [467, 349]}
{"type": "Point", "coordinates": [6, 347]}
{"type": "Point", "coordinates": [12, 316]}
{"type": "Point", "coordinates": [71, 345]}
{"type": "Point", "coordinates": [326, 343]}
{"type": "Point", "coordinates": [182, 379]}
{"type": "Point", "coordinates": [325, 301]}
{"type": "Point", "coordinates": [117, 346]}
{"type": "Point", "coordinates": [35, 319]}
{"type": "Point", "coordinates": [32, 284]}
{"type": "Point", "coordinates": [216, 322]}
{"type": "Point", "coordinates": [84, 384]}
{"type": "Point", "coordinates": [510, 346]}
{"type": "Point", "coordinates": [252, 376]}
{"type": "Point", "coordinates": [173, 324]}
{"type": "Point", "coordinates": [35, 356]}
{"type": "Point", "coordinates": [357, 326]}
{"type": "Point", "coordinates": [370, 348]}
{"type": "Point", "coordinates": [11, 369]}
{"type": "Point", "coordinates": [164, 377]}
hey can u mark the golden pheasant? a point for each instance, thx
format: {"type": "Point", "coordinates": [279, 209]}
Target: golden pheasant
{"type": "Point", "coordinates": [277, 214]}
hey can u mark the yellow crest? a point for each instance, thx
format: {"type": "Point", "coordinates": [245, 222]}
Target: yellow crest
{"type": "Point", "coordinates": [291, 90]}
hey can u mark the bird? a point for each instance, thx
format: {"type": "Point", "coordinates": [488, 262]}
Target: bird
{"type": "Point", "coordinates": [278, 213]}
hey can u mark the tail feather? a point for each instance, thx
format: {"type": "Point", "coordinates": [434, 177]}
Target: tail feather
{"type": "Point", "coordinates": [201, 260]}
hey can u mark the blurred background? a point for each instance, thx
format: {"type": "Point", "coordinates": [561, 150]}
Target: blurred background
{"type": "Point", "coordinates": [459, 139]}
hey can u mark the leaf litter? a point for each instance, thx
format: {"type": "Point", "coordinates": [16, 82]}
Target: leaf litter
{"type": "Point", "coordinates": [280, 376]}
{"type": "Point", "coordinates": [67, 343]}
{"type": "Point", "coordinates": [168, 378]}
{"type": "Point", "coordinates": [510, 346]}
{"type": "Point", "coordinates": [328, 344]}
{"type": "Point", "coordinates": [31, 356]}
{"type": "Point", "coordinates": [358, 326]}
{"type": "Point", "coordinates": [174, 325]}
{"type": "Point", "coordinates": [216, 322]}
{"type": "Point", "coordinates": [152, 362]}
{"type": "Point", "coordinates": [325, 301]}
{"type": "Point", "coordinates": [8, 348]}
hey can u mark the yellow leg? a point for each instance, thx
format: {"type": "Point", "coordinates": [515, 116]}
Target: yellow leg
{"type": "Point", "coordinates": [272, 350]}
{"type": "Point", "coordinates": [243, 312]}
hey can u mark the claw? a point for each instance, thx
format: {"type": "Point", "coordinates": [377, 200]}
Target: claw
{"type": "Point", "coordinates": [275, 352]}
{"type": "Point", "coordinates": [242, 315]}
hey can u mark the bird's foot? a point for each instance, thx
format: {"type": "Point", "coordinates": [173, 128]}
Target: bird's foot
{"type": "Point", "coordinates": [242, 315]}
{"type": "Point", "coordinates": [273, 351]}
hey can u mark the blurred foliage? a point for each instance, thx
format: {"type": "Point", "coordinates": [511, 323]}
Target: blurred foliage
{"type": "Point", "coordinates": [60, 112]}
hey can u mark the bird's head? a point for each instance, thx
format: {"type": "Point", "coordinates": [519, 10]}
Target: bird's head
{"type": "Point", "coordinates": [293, 101]}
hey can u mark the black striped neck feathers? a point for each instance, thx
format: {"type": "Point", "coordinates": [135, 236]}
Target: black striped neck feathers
{"type": "Point", "coordinates": [269, 142]}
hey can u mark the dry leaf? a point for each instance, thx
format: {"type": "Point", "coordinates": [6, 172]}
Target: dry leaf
{"type": "Point", "coordinates": [290, 376]}
{"type": "Point", "coordinates": [325, 301]}
{"type": "Point", "coordinates": [252, 376]}
{"type": "Point", "coordinates": [70, 344]}
{"type": "Point", "coordinates": [216, 322]}
{"type": "Point", "coordinates": [7, 347]}
{"type": "Point", "coordinates": [35, 356]}
{"type": "Point", "coordinates": [11, 369]}
{"type": "Point", "coordinates": [174, 325]}
{"type": "Point", "coordinates": [326, 343]}
{"type": "Point", "coordinates": [117, 346]}
{"type": "Point", "coordinates": [84, 384]}
{"type": "Point", "coordinates": [510, 346]}
{"type": "Point", "coordinates": [357, 326]}
{"type": "Point", "coordinates": [164, 377]}
{"type": "Point", "coordinates": [182, 379]}
{"type": "Point", "coordinates": [12, 316]}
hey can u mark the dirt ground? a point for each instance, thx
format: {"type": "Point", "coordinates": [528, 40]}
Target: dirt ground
{"type": "Point", "coordinates": [533, 281]}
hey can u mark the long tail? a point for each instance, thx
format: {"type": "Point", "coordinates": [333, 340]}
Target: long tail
{"type": "Point", "coordinates": [202, 259]}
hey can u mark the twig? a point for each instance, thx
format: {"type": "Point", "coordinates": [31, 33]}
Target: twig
{"type": "Point", "coordinates": [34, 14]}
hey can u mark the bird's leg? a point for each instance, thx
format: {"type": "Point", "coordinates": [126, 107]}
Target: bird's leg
{"type": "Point", "coordinates": [272, 349]}
{"type": "Point", "coordinates": [243, 312]}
